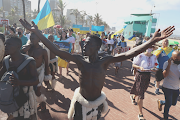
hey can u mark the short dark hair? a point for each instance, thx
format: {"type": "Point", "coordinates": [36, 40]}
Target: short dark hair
{"type": "Point", "coordinates": [2, 37]}
{"type": "Point", "coordinates": [13, 29]}
{"type": "Point", "coordinates": [15, 38]}
{"type": "Point", "coordinates": [19, 28]}
{"type": "Point", "coordinates": [71, 30]}
{"type": "Point", "coordinates": [97, 39]}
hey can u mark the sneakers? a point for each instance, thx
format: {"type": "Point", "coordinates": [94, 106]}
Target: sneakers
{"type": "Point", "coordinates": [159, 105]}
{"type": "Point", "coordinates": [141, 117]}
{"type": "Point", "coordinates": [132, 100]}
{"type": "Point", "coordinates": [157, 92]}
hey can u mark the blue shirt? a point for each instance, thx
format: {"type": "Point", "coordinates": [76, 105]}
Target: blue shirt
{"type": "Point", "coordinates": [46, 35]}
{"type": "Point", "coordinates": [122, 44]}
{"type": "Point", "coordinates": [24, 40]}
{"type": "Point", "coordinates": [162, 59]}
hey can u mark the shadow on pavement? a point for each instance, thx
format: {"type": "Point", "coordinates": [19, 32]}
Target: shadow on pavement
{"type": "Point", "coordinates": [112, 105]}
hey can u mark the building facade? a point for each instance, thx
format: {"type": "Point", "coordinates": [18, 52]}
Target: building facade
{"type": "Point", "coordinates": [8, 5]}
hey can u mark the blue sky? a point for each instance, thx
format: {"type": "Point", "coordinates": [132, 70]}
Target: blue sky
{"type": "Point", "coordinates": [114, 12]}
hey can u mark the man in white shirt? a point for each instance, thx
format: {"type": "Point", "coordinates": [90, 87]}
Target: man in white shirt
{"type": "Point", "coordinates": [71, 39]}
{"type": "Point", "coordinates": [171, 73]}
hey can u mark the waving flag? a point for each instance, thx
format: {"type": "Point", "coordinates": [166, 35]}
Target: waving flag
{"type": "Point", "coordinates": [44, 18]}
{"type": "Point", "coordinates": [167, 50]}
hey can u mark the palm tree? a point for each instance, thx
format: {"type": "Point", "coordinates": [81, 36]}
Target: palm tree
{"type": "Point", "coordinates": [34, 13]}
{"type": "Point", "coordinates": [61, 7]}
{"type": "Point", "coordinates": [82, 17]}
{"type": "Point", "coordinates": [24, 12]}
{"type": "Point", "coordinates": [76, 13]}
{"type": "Point", "coordinates": [1, 9]}
{"type": "Point", "coordinates": [86, 23]}
{"type": "Point", "coordinates": [65, 21]}
{"type": "Point", "coordinates": [90, 19]}
{"type": "Point", "coordinates": [39, 5]}
{"type": "Point", "coordinates": [97, 19]}
{"type": "Point", "coordinates": [12, 13]}
{"type": "Point", "coordinates": [106, 26]}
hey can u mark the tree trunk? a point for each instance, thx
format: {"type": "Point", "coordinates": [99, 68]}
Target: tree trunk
{"type": "Point", "coordinates": [76, 20]}
{"type": "Point", "coordinates": [39, 5]}
{"type": "Point", "coordinates": [24, 12]}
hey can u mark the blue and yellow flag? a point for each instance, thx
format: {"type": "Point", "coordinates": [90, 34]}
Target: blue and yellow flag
{"type": "Point", "coordinates": [167, 50]}
{"type": "Point", "coordinates": [44, 18]}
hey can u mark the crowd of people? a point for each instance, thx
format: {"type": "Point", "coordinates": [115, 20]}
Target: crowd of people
{"type": "Point", "coordinates": [39, 58]}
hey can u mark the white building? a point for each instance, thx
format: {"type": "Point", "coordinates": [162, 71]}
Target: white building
{"type": "Point", "coordinates": [54, 7]}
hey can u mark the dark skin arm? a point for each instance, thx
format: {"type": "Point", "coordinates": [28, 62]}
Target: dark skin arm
{"type": "Point", "coordinates": [45, 57]}
{"type": "Point", "coordinates": [25, 48]}
{"type": "Point", "coordinates": [47, 43]}
{"type": "Point", "coordinates": [139, 49]}
{"type": "Point", "coordinates": [57, 33]}
{"type": "Point", "coordinates": [32, 82]}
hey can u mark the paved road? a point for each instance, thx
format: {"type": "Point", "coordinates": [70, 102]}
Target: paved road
{"type": "Point", "coordinates": [116, 87]}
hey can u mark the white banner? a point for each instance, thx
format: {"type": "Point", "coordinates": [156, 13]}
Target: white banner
{"type": "Point", "coordinates": [123, 49]}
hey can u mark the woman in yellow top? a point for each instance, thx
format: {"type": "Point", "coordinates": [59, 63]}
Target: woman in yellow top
{"type": "Point", "coordinates": [63, 63]}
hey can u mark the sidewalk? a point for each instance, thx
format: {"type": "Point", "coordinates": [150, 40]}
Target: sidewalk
{"type": "Point", "coordinates": [116, 88]}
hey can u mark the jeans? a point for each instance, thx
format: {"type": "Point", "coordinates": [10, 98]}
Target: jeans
{"type": "Point", "coordinates": [171, 97]}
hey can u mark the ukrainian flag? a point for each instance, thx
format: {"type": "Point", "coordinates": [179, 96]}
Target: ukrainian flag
{"type": "Point", "coordinates": [167, 50]}
{"type": "Point", "coordinates": [44, 18]}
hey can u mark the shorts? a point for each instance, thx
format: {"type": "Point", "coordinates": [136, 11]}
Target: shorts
{"type": "Point", "coordinates": [62, 63]}
{"type": "Point", "coordinates": [53, 67]}
{"type": "Point", "coordinates": [159, 75]}
{"type": "Point", "coordinates": [78, 111]}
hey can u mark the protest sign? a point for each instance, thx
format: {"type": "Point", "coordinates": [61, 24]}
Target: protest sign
{"type": "Point", "coordinates": [123, 49]}
{"type": "Point", "coordinates": [64, 46]}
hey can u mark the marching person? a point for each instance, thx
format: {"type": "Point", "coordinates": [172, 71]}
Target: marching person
{"type": "Point", "coordinates": [163, 54]}
{"type": "Point", "coordinates": [171, 73]}
{"type": "Point", "coordinates": [144, 63]}
{"type": "Point", "coordinates": [92, 71]}
{"type": "Point", "coordinates": [35, 50]}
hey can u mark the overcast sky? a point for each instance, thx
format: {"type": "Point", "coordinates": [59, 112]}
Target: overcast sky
{"type": "Point", "coordinates": [115, 12]}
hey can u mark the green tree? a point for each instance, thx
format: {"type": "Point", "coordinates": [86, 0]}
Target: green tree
{"type": "Point", "coordinates": [82, 17]}
{"type": "Point", "coordinates": [65, 22]}
{"type": "Point", "coordinates": [61, 6]}
{"type": "Point", "coordinates": [106, 26]}
{"type": "Point", "coordinates": [90, 20]}
{"type": "Point", "coordinates": [34, 13]}
{"type": "Point", "coordinates": [97, 19]}
{"type": "Point", "coordinates": [76, 13]}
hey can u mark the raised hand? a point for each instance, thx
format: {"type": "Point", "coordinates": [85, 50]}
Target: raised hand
{"type": "Point", "coordinates": [14, 80]}
{"type": "Point", "coordinates": [163, 34]}
{"type": "Point", "coordinates": [28, 26]}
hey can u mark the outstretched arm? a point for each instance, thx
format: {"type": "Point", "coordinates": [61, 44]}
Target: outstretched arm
{"type": "Point", "coordinates": [45, 56]}
{"type": "Point", "coordinates": [141, 48]}
{"type": "Point", "coordinates": [47, 43]}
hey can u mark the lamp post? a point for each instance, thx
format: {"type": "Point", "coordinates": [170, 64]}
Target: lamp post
{"type": "Point", "coordinates": [96, 6]}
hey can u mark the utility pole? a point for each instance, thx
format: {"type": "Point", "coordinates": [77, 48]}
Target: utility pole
{"type": "Point", "coordinates": [96, 7]}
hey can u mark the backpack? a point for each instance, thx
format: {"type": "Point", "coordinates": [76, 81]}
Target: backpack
{"type": "Point", "coordinates": [12, 98]}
